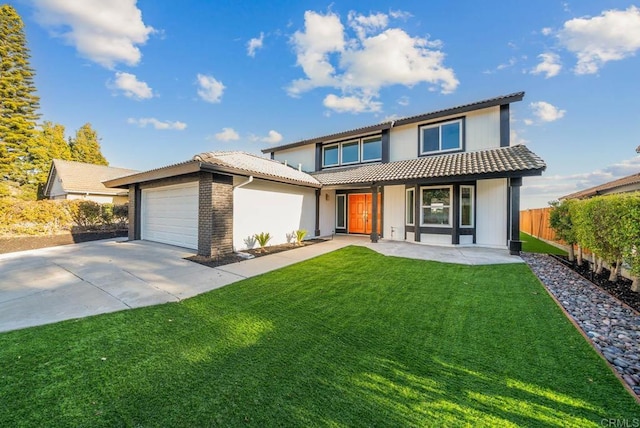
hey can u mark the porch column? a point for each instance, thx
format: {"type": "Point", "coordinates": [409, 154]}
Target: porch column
{"type": "Point", "coordinates": [318, 194]}
{"type": "Point", "coordinates": [515, 245]}
{"type": "Point", "coordinates": [417, 198]}
{"type": "Point", "coordinates": [135, 204]}
{"type": "Point", "coordinates": [374, 214]}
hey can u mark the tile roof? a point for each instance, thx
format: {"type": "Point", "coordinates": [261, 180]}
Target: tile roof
{"type": "Point", "coordinates": [256, 165]}
{"type": "Point", "coordinates": [606, 187]}
{"type": "Point", "coordinates": [491, 102]}
{"type": "Point", "coordinates": [506, 161]}
{"type": "Point", "coordinates": [79, 177]}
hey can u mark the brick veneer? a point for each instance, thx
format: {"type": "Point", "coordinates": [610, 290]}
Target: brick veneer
{"type": "Point", "coordinates": [215, 215]}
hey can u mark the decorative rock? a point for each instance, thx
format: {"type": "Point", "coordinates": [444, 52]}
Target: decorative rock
{"type": "Point", "coordinates": [612, 327]}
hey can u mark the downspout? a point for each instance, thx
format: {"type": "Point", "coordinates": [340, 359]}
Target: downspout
{"type": "Point", "coordinates": [249, 180]}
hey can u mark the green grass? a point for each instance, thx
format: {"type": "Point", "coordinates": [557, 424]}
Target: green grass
{"type": "Point", "coordinates": [531, 244]}
{"type": "Point", "coordinates": [351, 338]}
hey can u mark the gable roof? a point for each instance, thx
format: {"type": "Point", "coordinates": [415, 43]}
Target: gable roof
{"type": "Point", "coordinates": [80, 177]}
{"type": "Point", "coordinates": [234, 163]}
{"type": "Point", "coordinates": [514, 161]}
{"type": "Point", "coordinates": [609, 187]}
{"type": "Point", "coordinates": [491, 102]}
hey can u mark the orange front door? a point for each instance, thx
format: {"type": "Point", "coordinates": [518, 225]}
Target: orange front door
{"type": "Point", "coordinates": [361, 212]}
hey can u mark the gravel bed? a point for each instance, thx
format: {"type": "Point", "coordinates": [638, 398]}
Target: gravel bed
{"type": "Point", "coordinates": [613, 327]}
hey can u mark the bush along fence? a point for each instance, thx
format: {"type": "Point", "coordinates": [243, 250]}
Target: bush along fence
{"type": "Point", "coordinates": [43, 217]}
{"type": "Point", "coordinates": [608, 226]}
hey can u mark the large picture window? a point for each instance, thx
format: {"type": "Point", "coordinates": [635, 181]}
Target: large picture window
{"type": "Point", "coordinates": [341, 211]}
{"type": "Point", "coordinates": [466, 206]}
{"type": "Point", "coordinates": [410, 203]}
{"type": "Point", "coordinates": [436, 206]}
{"type": "Point", "coordinates": [442, 137]}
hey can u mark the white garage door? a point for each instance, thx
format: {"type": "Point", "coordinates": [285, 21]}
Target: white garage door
{"type": "Point", "coordinates": [170, 215]}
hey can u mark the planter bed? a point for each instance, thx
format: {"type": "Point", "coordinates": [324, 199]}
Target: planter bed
{"type": "Point", "coordinates": [22, 243]}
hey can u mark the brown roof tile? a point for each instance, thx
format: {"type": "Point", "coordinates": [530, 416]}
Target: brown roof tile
{"type": "Point", "coordinates": [515, 160]}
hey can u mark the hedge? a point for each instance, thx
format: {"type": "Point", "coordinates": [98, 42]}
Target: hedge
{"type": "Point", "coordinates": [609, 226]}
{"type": "Point", "coordinates": [19, 217]}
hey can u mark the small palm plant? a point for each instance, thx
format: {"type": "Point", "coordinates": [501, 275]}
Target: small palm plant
{"type": "Point", "coordinates": [300, 234]}
{"type": "Point", "coordinates": [262, 238]}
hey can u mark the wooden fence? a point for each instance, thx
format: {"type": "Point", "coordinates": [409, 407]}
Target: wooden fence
{"type": "Point", "coordinates": [535, 222]}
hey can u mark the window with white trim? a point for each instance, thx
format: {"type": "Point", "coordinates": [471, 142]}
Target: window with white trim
{"type": "Point", "coordinates": [436, 206]}
{"type": "Point", "coordinates": [350, 152]}
{"type": "Point", "coordinates": [341, 211]}
{"type": "Point", "coordinates": [466, 206]}
{"type": "Point", "coordinates": [409, 207]}
{"type": "Point", "coordinates": [441, 137]}
{"type": "Point", "coordinates": [371, 149]}
{"type": "Point", "coordinates": [367, 149]}
{"type": "Point", "coordinates": [330, 155]}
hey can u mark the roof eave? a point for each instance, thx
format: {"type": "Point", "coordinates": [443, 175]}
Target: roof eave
{"type": "Point", "coordinates": [244, 173]}
{"type": "Point", "coordinates": [155, 174]}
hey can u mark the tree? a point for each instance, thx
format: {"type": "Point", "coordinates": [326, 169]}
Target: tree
{"type": "Point", "coordinates": [85, 147]}
{"type": "Point", "coordinates": [49, 143]}
{"type": "Point", "coordinates": [560, 222]}
{"type": "Point", "coordinates": [18, 102]}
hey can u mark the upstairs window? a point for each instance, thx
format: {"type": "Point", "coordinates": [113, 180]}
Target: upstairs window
{"type": "Point", "coordinates": [330, 155]}
{"type": "Point", "coordinates": [350, 152]}
{"type": "Point", "coordinates": [442, 137]}
{"type": "Point", "coordinates": [367, 149]}
{"type": "Point", "coordinates": [371, 149]}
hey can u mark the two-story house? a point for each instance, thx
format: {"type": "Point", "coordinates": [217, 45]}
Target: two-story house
{"type": "Point", "coordinates": [448, 177]}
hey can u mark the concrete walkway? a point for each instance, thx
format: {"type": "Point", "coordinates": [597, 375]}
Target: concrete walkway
{"type": "Point", "coordinates": [73, 281]}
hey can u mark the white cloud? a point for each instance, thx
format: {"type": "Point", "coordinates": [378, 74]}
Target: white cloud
{"type": "Point", "coordinates": [106, 32]}
{"type": "Point", "coordinates": [547, 31]}
{"type": "Point", "coordinates": [131, 86]}
{"type": "Point", "coordinates": [403, 100]}
{"type": "Point", "coordinates": [611, 36]}
{"type": "Point", "coordinates": [157, 124]}
{"type": "Point", "coordinates": [210, 89]}
{"type": "Point", "coordinates": [549, 65]}
{"type": "Point", "coordinates": [400, 14]}
{"type": "Point", "coordinates": [360, 66]}
{"type": "Point", "coordinates": [351, 104]}
{"type": "Point", "coordinates": [254, 44]}
{"type": "Point", "coordinates": [272, 138]}
{"type": "Point", "coordinates": [546, 112]}
{"type": "Point", "coordinates": [516, 138]}
{"type": "Point", "coordinates": [528, 122]}
{"type": "Point", "coordinates": [227, 134]}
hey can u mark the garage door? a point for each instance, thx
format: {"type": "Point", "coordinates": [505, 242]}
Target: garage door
{"type": "Point", "coordinates": [170, 215]}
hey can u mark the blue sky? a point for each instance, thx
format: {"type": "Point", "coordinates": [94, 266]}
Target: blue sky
{"type": "Point", "coordinates": [161, 81]}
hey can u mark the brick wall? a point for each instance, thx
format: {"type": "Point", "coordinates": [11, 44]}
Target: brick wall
{"type": "Point", "coordinates": [215, 215]}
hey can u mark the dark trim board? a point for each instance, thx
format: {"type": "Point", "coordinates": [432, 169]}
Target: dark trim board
{"type": "Point", "coordinates": [505, 132]}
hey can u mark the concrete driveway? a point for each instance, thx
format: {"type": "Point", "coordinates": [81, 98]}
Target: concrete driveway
{"type": "Point", "coordinates": [73, 281]}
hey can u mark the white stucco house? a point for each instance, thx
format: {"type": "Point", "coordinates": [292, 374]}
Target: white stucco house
{"type": "Point", "coordinates": [448, 177]}
{"type": "Point", "coordinates": [79, 180]}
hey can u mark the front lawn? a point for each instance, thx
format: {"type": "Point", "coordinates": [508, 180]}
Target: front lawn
{"type": "Point", "coordinates": [351, 338]}
{"type": "Point", "coordinates": [531, 244]}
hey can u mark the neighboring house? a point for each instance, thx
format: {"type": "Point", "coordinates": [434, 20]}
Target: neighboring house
{"type": "Point", "coordinates": [446, 177]}
{"type": "Point", "coordinates": [627, 184]}
{"type": "Point", "coordinates": [78, 180]}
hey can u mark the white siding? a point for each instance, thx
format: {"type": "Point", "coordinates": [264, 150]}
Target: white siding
{"type": "Point", "coordinates": [264, 206]}
{"type": "Point", "coordinates": [57, 192]}
{"type": "Point", "coordinates": [482, 132]}
{"type": "Point", "coordinates": [491, 212]}
{"type": "Point", "coordinates": [101, 199]}
{"type": "Point", "coordinates": [327, 212]}
{"type": "Point", "coordinates": [394, 212]}
{"type": "Point", "coordinates": [169, 215]}
{"type": "Point", "coordinates": [305, 155]}
{"type": "Point", "coordinates": [483, 129]}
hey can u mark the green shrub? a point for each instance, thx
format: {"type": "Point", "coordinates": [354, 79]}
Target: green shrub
{"type": "Point", "coordinates": [262, 238]}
